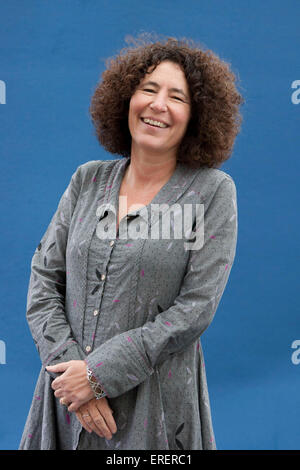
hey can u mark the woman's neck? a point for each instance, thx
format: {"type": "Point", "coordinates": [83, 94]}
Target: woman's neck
{"type": "Point", "coordinates": [145, 172]}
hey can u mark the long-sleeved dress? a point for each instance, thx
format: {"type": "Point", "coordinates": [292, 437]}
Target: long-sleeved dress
{"type": "Point", "coordinates": [133, 306]}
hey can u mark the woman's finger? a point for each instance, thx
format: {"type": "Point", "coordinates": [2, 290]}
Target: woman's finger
{"type": "Point", "coordinates": [59, 393]}
{"type": "Point", "coordinates": [64, 401]}
{"type": "Point", "coordinates": [106, 412]}
{"type": "Point", "coordinates": [89, 420]}
{"type": "Point", "coordinates": [59, 367]}
{"type": "Point", "coordinates": [99, 421]}
{"type": "Point", "coordinates": [82, 422]}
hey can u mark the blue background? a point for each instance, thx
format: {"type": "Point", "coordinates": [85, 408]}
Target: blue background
{"type": "Point", "coordinates": [52, 54]}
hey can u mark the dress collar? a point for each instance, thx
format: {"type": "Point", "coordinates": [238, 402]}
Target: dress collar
{"type": "Point", "coordinates": [171, 191]}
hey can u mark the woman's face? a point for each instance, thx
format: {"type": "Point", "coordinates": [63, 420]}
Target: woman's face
{"type": "Point", "coordinates": [160, 109]}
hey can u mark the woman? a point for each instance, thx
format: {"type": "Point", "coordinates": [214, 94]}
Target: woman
{"type": "Point", "coordinates": [117, 319]}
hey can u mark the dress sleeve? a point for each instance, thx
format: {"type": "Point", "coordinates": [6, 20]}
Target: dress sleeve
{"type": "Point", "coordinates": [127, 359]}
{"type": "Point", "coordinates": [45, 311]}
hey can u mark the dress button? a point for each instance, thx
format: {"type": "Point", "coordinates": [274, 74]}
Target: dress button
{"type": "Point", "coordinates": [102, 277]}
{"type": "Point", "coordinates": [112, 243]}
{"type": "Point", "coordinates": [96, 312]}
{"type": "Point", "coordinates": [88, 348]}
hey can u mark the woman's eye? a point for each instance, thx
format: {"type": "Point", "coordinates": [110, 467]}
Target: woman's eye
{"type": "Point", "coordinates": [150, 90]}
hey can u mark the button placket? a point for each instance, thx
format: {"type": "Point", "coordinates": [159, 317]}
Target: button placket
{"type": "Point", "coordinates": [98, 301]}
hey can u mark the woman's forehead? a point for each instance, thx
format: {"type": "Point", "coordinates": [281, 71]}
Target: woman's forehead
{"type": "Point", "coordinates": [166, 71]}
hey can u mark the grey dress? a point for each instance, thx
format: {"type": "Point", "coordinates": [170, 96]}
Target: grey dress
{"type": "Point", "coordinates": [133, 308]}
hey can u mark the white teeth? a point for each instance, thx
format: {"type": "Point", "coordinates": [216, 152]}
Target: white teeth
{"type": "Point", "coordinates": [154, 123]}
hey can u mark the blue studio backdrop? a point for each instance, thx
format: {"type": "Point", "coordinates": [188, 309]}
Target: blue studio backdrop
{"type": "Point", "coordinates": [52, 54]}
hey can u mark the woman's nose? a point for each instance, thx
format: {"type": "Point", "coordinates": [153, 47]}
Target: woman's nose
{"type": "Point", "coordinates": [159, 103]}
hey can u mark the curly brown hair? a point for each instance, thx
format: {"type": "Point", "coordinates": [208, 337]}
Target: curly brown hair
{"type": "Point", "coordinates": [215, 118]}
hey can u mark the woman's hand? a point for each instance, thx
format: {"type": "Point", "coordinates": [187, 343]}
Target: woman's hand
{"type": "Point", "coordinates": [96, 415]}
{"type": "Point", "coordinates": [72, 386]}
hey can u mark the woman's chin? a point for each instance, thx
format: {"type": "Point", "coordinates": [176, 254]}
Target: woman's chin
{"type": "Point", "coordinates": [150, 147]}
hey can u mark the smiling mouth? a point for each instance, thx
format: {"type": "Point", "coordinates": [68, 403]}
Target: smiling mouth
{"type": "Point", "coordinates": [153, 123]}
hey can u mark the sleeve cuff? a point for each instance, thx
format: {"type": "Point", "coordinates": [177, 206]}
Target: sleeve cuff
{"type": "Point", "coordinates": [118, 365]}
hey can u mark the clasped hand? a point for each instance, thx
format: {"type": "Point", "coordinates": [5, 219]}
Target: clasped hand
{"type": "Point", "coordinates": [73, 387]}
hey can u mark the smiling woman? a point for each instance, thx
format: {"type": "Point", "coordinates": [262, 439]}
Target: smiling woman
{"type": "Point", "coordinates": [158, 116]}
{"type": "Point", "coordinates": [206, 84]}
{"type": "Point", "coordinates": [120, 318]}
